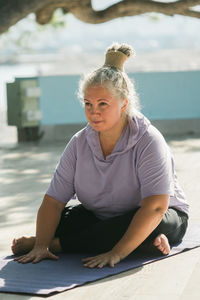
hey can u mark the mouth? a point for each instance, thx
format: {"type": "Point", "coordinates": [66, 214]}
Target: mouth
{"type": "Point", "coordinates": [96, 122]}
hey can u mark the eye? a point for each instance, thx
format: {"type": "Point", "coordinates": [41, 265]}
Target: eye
{"type": "Point", "coordinates": [87, 104]}
{"type": "Point", "coordinates": [103, 103]}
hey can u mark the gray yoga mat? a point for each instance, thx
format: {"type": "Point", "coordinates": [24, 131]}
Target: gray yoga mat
{"type": "Point", "coordinates": [68, 272]}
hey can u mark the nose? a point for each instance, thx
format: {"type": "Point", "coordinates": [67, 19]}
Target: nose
{"type": "Point", "coordinates": [94, 110]}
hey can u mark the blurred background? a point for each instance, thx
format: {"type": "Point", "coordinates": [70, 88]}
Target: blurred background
{"type": "Point", "coordinates": [68, 46]}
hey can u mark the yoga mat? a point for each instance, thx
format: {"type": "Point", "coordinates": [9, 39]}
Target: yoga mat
{"type": "Point", "coordinates": [50, 276]}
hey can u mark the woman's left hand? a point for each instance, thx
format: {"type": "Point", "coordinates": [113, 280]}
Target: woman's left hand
{"type": "Point", "coordinates": [109, 258]}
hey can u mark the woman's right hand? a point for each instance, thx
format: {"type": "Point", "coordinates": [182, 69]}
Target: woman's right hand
{"type": "Point", "coordinates": [36, 255]}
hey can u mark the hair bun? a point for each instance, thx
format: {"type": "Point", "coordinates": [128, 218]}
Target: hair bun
{"type": "Point", "coordinates": [117, 54]}
{"type": "Point", "coordinates": [124, 48]}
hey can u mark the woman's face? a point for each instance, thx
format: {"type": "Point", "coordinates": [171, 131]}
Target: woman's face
{"type": "Point", "coordinates": [103, 110]}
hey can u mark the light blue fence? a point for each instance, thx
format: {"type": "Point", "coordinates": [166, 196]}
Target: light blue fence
{"type": "Point", "coordinates": [163, 96]}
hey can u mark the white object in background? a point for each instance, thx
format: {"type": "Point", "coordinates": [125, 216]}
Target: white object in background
{"type": "Point", "coordinates": [33, 115]}
{"type": "Point", "coordinates": [33, 92]}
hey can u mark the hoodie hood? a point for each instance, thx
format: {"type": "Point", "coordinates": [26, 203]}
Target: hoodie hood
{"type": "Point", "coordinates": [132, 133]}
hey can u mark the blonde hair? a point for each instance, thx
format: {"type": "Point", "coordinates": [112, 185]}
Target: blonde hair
{"type": "Point", "coordinates": [112, 76]}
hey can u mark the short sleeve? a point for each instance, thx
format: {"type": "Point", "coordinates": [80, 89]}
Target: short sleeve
{"type": "Point", "coordinates": [154, 167]}
{"type": "Point", "coordinates": [61, 186]}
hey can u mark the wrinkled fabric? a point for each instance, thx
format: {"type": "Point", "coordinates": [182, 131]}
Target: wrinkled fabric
{"type": "Point", "coordinates": [140, 165]}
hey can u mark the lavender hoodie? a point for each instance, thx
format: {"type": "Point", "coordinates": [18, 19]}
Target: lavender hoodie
{"type": "Point", "coordinates": [139, 166]}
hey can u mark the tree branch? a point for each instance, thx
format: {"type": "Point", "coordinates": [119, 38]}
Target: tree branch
{"type": "Point", "coordinates": [43, 16]}
{"type": "Point", "coordinates": [136, 7]}
{"type": "Point", "coordinates": [14, 10]}
{"type": "Point", "coordinates": [190, 13]}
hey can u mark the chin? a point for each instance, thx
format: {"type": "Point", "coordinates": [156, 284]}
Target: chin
{"type": "Point", "coordinates": [96, 126]}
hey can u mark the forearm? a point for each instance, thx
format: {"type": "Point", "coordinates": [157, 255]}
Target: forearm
{"type": "Point", "coordinates": [147, 218]}
{"type": "Point", "coordinates": [48, 218]}
{"type": "Point", "coordinates": [141, 226]}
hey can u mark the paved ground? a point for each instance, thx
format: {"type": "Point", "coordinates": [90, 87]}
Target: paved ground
{"type": "Point", "coordinates": [25, 171]}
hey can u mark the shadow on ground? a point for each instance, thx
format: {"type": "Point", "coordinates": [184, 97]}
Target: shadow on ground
{"type": "Point", "coordinates": [25, 173]}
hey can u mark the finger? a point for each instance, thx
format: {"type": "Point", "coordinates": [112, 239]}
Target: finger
{"type": "Point", "coordinates": [37, 258]}
{"type": "Point", "coordinates": [18, 258]}
{"type": "Point", "coordinates": [91, 264]}
{"type": "Point", "coordinates": [53, 256]}
{"type": "Point", "coordinates": [101, 265]}
{"type": "Point", "coordinates": [21, 258]}
{"type": "Point", "coordinates": [26, 259]}
{"type": "Point", "coordinates": [90, 261]}
{"type": "Point", "coordinates": [111, 264]}
{"type": "Point", "coordinates": [89, 258]}
{"type": "Point", "coordinates": [96, 263]}
{"type": "Point", "coordinates": [45, 256]}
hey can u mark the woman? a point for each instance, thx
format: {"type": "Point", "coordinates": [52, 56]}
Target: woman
{"type": "Point", "coordinates": [122, 172]}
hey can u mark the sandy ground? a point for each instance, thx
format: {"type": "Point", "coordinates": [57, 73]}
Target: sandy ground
{"type": "Point", "coordinates": [25, 172]}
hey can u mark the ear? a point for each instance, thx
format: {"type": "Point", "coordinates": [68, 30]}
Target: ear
{"type": "Point", "coordinates": [124, 105]}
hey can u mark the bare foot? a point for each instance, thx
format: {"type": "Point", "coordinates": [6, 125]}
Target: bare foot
{"type": "Point", "coordinates": [23, 245]}
{"type": "Point", "coordinates": [162, 243]}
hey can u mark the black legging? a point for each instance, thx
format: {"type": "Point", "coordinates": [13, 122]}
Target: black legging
{"type": "Point", "coordinates": [81, 231]}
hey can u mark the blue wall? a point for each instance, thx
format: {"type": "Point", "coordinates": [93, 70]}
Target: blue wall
{"type": "Point", "coordinates": [169, 95]}
{"type": "Point", "coordinates": [58, 102]}
{"type": "Point", "coordinates": [163, 96]}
